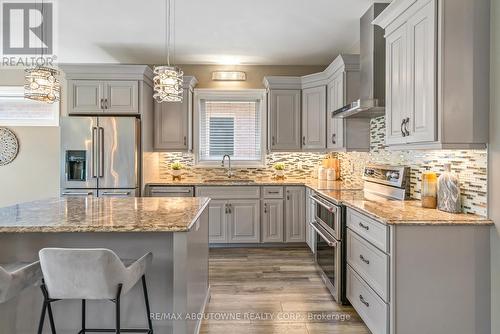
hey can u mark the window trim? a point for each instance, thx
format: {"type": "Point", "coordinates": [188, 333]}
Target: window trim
{"type": "Point", "coordinates": [18, 91]}
{"type": "Point", "coordinates": [228, 95]}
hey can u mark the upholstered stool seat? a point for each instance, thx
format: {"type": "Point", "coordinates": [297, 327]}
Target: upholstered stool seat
{"type": "Point", "coordinates": [91, 274]}
{"type": "Point", "coordinates": [16, 277]}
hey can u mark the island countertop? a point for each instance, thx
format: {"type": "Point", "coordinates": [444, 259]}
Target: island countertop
{"type": "Point", "coordinates": [89, 214]}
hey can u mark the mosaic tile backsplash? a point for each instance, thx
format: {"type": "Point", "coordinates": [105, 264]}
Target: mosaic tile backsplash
{"type": "Point", "coordinates": [469, 165]}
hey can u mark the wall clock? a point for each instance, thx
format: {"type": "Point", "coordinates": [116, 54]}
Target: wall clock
{"type": "Point", "coordinates": [9, 146]}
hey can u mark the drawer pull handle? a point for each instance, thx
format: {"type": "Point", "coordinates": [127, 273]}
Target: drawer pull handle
{"type": "Point", "coordinates": [364, 301]}
{"type": "Point", "coordinates": [273, 192]}
{"type": "Point", "coordinates": [366, 227]}
{"type": "Point", "coordinates": [364, 260]}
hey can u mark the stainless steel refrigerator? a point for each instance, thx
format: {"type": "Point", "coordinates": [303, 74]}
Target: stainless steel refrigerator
{"type": "Point", "coordinates": [100, 156]}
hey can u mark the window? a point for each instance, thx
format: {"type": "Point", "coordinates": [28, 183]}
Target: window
{"type": "Point", "coordinates": [15, 110]}
{"type": "Point", "coordinates": [229, 122]}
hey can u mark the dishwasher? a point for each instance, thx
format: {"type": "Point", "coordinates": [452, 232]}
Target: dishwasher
{"type": "Point", "coordinates": [169, 191]}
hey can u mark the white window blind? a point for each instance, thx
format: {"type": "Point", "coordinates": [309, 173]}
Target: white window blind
{"type": "Point", "coordinates": [230, 127]}
{"type": "Point", "coordinates": [15, 110]}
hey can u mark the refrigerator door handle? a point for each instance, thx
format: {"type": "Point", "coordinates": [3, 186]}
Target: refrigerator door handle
{"type": "Point", "coordinates": [94, 152]}
{"type": "Point", "coordinates": [101, 152]}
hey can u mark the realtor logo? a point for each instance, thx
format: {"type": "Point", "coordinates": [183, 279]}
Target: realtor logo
{"type": "Point", "coordinates": [27, 28]}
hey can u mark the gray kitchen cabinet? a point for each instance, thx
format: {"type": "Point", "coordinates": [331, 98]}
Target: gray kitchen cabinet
{"type": "Point", "coordinates": [284, 119]}
{"type": "Point", "coordinates": [283, 113]}
{"type": "Point", "coordinates": [121, 96]}
{"type": "Point", "coordinates": [437, 91]}
{"type": "Point", "coordinates": [218, 216]}
{"type": "Point", "coordinates": [314, 118]}
{"type": "Point", "coordinates": [295, 218]}
{"type": "Point", "coordinates": [244, 221]}
{"type": "Point", "coordinates": [112, 96]}
{"type": "Point", "coordinates": [272, 220]}
{"type": "Point", "coordinates": [173, 121]}
{"type": "Point", "coordinates": [351, 134]}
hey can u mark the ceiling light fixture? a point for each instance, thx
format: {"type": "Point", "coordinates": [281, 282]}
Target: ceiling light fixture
{"type": "Point", "coordinates": [168, 79]}
{"type": "Point", "coordinates": [229, 76]}
{"type": "Point", "coordinates": [40, 82]}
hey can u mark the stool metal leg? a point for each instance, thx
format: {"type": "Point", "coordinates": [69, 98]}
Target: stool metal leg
{"type": "Point", "coordinates": [51, 319]}
{"type": "Point", "coordinates": [146, 301]}
{"type": "Point", "coordinates": [117, 302]}
{"type": "Point", "coordinates": [42, 318]}
{"type": "Point", "coordinates": [83, 315]}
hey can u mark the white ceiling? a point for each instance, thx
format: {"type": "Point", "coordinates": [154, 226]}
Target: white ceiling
{"type": "Point", "coordinates": [263, 32]}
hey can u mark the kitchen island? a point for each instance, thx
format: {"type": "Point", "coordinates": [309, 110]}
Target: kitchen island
{"type": "Point", "coordinates": [175, 230]}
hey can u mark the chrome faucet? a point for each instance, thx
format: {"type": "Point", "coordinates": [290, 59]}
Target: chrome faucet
{"type": "Point", "coordinates": [229, 171]}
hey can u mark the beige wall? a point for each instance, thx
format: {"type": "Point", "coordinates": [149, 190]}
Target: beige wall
{"type": "Point", "coordinates": [34, 174]}
{"type": "Point", "coordinates": [255, 74]}
{"type": "Point", "coordinates": [494, 163]}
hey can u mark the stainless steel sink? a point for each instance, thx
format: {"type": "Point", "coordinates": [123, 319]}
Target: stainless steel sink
{"type": "Point", "coordinates": [229, 180]}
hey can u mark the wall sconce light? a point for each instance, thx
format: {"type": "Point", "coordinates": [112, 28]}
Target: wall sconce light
{"type": "Point", "coordinates": [229, 76]}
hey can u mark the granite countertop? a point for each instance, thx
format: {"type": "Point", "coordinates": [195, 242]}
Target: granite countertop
{"type": "Point", "coordinates": [89, 214]}
{"type": "Point", "coordinates": [387, 211]}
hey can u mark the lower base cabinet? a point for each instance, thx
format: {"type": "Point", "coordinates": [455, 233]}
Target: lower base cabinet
{"type": "Point", "coordinates": [272, 220]}
{"type": "Point", "coordinates": [253, 214]}
{"type": "Point", "coordinates": [244, 221]}
{"type": "Point", "coordinates": [295, 214]}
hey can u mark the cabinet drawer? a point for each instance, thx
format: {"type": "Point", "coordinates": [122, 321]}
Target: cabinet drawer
{"type": "Point", "coordinates": [369, 262]}
{"type": "Point", "coordinates": [370, 229]}
{"type": "Point", "coordinates": [272, 192]}
{"type": "Point", "coordinates": [229, 192]}
{"type": "Point", "coordinates": [370, 307]}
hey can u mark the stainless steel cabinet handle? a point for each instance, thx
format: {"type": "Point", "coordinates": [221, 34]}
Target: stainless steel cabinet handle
{"type": "Point", "coordinates": [76, 193]}
{"type": "Point", "coordinates": [330, 242]}
{"type": "Point", "coordinates": [407, 122]}
{"type": "Point", "coordinates": [105, 103]}
{"type": "Point", "coordinates": [288, 195]}
{"type": "Point", "coordinates": [323, 204]}
{"type": "Point", "coordinates": [116, 193]}
{"type": "Point", "coordinates": [159, 191]}
{"type": "Point", "coordinates": [185, 140]}
{"type": "Point", "coordinates": [101, 152]}
{"type": "Point", "coordinates": [265, 207]}
{"type": "Point", "coordinates": [102, 103]}
{"type": "Point", "coordinates": [366, 227]}
{"type": "Point", "coordinates": [362, 299]}
{"type": "Point", "coordinates": [229, 208]}
{"type": "Point", "coordinates": [402, 126]}
{"type": "Point", "coordinates": [273, 141]}
{"type": "Point", "coordinates": [333, 138]}
{"type": "Point", "coordinates": [94, 151]}
{"type": "Point", "coordinates": [364, 260]}
{"type": "Point", "coordinates": [303, 140]}
{"type": "Point", "coordinates": [273, 192]}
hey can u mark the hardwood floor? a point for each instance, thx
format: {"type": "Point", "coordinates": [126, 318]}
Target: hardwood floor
{"type": "Point", "coordinates": [272, 290]}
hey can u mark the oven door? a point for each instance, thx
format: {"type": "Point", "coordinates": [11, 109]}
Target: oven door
{"type": "Point", "coordinates": [328, 216]}
{"type": "Point", "coordinates": [328, 253]}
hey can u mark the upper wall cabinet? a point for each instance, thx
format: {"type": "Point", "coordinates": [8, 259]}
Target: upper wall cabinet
{"type": "Point", "coordinates": [173, 121]}
{"type": "Point", "coordinates": [284, 113]}
{"type": "Point", "coordinates": [107, 89]}
{"type": "Point", "coordinates": [437, 73]}
{"type": "Point", "coordinates": [314, 118]}
{"type": "Point", "coordinates": [343, 88]}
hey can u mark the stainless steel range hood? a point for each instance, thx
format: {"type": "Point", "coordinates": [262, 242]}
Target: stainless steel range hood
{"type": "Point", "coordinates": [371, 102]}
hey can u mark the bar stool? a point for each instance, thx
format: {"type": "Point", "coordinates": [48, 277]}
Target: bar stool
{"type": "Point", "coordinates": [91, 274]}
{"type": "Point", "coordinates": [16, 277]}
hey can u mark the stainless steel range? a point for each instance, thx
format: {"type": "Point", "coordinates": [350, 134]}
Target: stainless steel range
{"type": "Point", "coordinates": [330, 222]}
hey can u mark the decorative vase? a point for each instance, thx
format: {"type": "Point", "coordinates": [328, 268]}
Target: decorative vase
{"type": "Point", "coordinates": [176, 174]}
{"type": "Point", "coordinates": [429, 190]}
{"type": "Point", "coordinates": [448, 197]}
{"type": "Point", "coordinates": [280, 174]}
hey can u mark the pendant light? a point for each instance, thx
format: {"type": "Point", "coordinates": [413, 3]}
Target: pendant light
{"type": "Point", "coordinates": [168, 79]}
{"type": "Point", "coordinates": [40, 82]}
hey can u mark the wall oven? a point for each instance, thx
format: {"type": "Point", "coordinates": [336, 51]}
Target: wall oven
{"type": "Point", "coordinates": [330, 249]}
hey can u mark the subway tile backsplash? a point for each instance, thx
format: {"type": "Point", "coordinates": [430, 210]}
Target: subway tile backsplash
{"type": "Point", "coordinates": [469, 165]}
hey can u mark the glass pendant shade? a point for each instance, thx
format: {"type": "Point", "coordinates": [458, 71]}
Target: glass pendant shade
{"type": "Point", "coordinates": [168, 84]}
{"type": "Point", "coordinates": [41, 84]}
